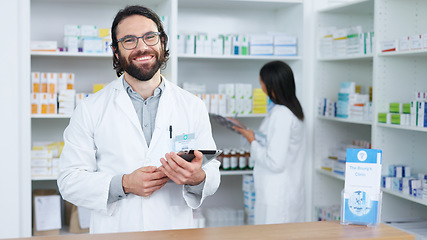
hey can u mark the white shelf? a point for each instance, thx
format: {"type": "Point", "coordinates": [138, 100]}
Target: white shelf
{"type": "Point", "coordinates": [346, 120]}
{"type": "Point", "coordinates": [353, 7]}
{"type": "Point", "coordinates": [410, 53]}
{"type": "Point", "coordinates": [238, 57]}
{"type": "Point", "coordinates": [405, 196]}
{"type": "Point", "coordinates": [389, 191]}
{"type": "Point", "coordinates": [50, 116]}
{"type": "Point", "coordinates": [240, 4]}
{"type": "Point", "coordinates": [69, 54]}
{"type": "Point", "coordinates": [245, 115]}
{"type": "Point", "coordinates": [368, 57]}
{"type": "Point", "coordinates": [417, 129]}
{"type": "Point", "coordinates": [44, 178]}
{"type": "Point", "coordinates": [235, 172]}
{"type": "Point", "coordinates": [331, 174]}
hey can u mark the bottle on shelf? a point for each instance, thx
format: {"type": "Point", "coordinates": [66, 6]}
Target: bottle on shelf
{"type": "Point", "coordinates": [226, 160]}
{"type": "Point", "coordinates": [243, 161]}
{"type": "Point", "coordinates": [251, 161]}
{"type": "Point", "coordinates": [234, 159]}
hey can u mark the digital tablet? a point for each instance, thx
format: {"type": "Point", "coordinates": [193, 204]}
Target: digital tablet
{"type": "Point", "coordinates": [226, 122]}
{"type": "Point", "coordinates": [208, 155]}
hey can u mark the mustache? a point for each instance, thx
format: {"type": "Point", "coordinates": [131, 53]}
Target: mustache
{"type": "Point", "coordinates": [142, 53]}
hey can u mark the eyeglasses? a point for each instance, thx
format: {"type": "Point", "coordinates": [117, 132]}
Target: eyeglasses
{"type": "Point", "coordinates": [131, 42]}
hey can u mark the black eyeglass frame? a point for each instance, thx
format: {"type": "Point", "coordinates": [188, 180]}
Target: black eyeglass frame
{"type": "Point", "coordinates": [137, 38]}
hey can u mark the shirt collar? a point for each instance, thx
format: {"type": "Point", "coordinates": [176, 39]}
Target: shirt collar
{"type": "Point", "coordinates": [157, 92]}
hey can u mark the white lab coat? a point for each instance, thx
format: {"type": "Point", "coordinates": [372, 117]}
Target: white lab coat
{"type": "Point", "coordinates": [279, 168]}
{"type": "Point", "coordinates": [104, 138]}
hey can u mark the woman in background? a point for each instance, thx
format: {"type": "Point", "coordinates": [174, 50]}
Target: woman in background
{"type": "Point", "coordinates": [278, 151]}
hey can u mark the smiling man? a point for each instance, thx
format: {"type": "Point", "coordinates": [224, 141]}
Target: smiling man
{"type": "Point", "coordinates": [119, 158]}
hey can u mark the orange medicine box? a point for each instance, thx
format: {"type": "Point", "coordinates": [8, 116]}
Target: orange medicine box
{"type": "Point", "coordinates": [52, 83]}
{"type": "Point", "coordinates": [43, 82]}
{"type": "Point", "coordinates": [52, 103]}
{"type": "Point", "coordinates": [70, 80]}
{"type": "Point", "coordinates": [44, 103]}
{"type": "Point", "coordinates": [35, 82]}
{"type": "Point", "coordinates": [35, 103]}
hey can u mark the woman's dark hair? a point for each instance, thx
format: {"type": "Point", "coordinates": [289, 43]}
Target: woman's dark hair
{"type": "Point", "coordinates": [280, 85]}
{"type": "Point", "coordinates": [143, 11]}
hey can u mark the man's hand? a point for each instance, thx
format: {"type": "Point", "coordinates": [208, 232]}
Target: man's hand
{"type": "Point", "coordinates": [144, 181]}
{"type": "Point", "coordinates": [182, 172]}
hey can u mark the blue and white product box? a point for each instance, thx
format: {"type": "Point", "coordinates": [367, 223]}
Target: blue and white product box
{"type": "Point", "coordinates": [361, 197]}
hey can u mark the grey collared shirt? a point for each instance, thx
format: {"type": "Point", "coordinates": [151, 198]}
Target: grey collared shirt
{"type": "Point", "coordinates": [146, 110]}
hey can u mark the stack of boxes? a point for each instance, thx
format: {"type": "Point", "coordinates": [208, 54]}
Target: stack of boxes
{"type": "Point", "coordinates": [335, 162]}
{"type": "Point", "coordinates": [260, 101]}
{"type": "Point", "coordinates": [344, 42]}
{"type": "Point", "coordinates": [45, 88]}
{"type": "Point", "coordinates": [237, 44]}
{"type": "Point", "coordinates": [405, 43]}
{"type": "Point", "coordinates": [413, 113]}
{"type": "Point", "coordinates": [231, 99]}
{"type": "Point", "coordinates": [243, 98]}
{"type": "Point", "coordinates": [45, 158]}
{"type": "Point", "coordinates": [351, 104]}
{"type": "Point", "coordinates": [86, 38]}
{"type": "Point", "coordinates": [401, 180]}
{"type": "Point", "coordinates": [249, 198]}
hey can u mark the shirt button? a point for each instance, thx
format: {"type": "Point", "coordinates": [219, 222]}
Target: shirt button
{"type": "Point", "coordinates": [145, 125]}
{"type": "Point", "coordinates": [145, 103]}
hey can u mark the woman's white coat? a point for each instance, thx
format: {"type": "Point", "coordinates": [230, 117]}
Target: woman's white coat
{"type": "Point", "coordinates": [279, 168]}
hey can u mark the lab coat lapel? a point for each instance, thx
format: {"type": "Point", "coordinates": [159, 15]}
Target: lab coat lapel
{"type": "Point", "coordinates": [125, 104]}
{"type": "Point", "coordinates": [164, 113]}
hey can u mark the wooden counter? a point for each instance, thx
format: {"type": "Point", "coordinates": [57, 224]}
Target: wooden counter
{"type": "Point", "coordinates": [311, 230]}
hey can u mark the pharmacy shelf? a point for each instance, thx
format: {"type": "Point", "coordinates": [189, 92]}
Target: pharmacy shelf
{"type": "Point", "coordinates": [238, 57]}
{"type": "Point", "coordinates": [245, 115]}
{"type": "Point", "coordinates": [44, 178]}
{"type": "Point", "coordinates": [235, 172]}
{"type": "Point", "coordinates": [346, 120]}
{"type": "Point", "coordinates": [388, 191]}
{"type": "Point", "coordinates": [408, 226]}
{"type": "Point", "coordinates": [368, 57]}
{"type": "Point", "coordinates": [417, 129]}
{"type": "Point", "coordinates": [331, 174]}
{"type": "Point", "coordinates": [69, 54]}
{"type": "Point", "coordinates": [353, 7]}
{"type": "Point", "coordinates": [50, 116]}
{"type": "Point", "coordinates": [405, 196]}
{"type": "Point", "coordinates": [411, 53]}
{"type": "Point", "coordinates": [240, 4]}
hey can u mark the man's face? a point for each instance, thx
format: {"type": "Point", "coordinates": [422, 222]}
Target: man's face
{"type": "Point", "coordinates": [143, 61]}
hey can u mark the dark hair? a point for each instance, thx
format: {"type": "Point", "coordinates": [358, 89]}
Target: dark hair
{"type": "Point", "coordinates": [143, 11]}
{"type": "Point", "coordinates": [280, 85]}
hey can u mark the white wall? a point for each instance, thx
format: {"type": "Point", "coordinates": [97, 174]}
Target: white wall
{"type": "Point", "coordinates": [15, 183]}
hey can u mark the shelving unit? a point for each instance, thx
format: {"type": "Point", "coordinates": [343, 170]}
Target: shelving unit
{"type": "Point", "coordinates": [400, 144]}
{"type": "Point", "coordinates": [329, 72]}
{"type": "Point", "coordinates": [384, 71]}
{"type": "Point", "coordinates": [346, 120]}
{"type": "Point", "coordinates": [236, 17]}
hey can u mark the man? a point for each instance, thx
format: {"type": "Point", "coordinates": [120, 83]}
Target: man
{"type": "Point", "coordinates": [119, 156]}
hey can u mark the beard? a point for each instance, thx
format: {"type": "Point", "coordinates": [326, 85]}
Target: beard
{"type": "Point", "coordinates": [144, 73]}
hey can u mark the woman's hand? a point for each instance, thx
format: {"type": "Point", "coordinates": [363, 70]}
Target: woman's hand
{"type": "Point", "coordinates": [246, 132]}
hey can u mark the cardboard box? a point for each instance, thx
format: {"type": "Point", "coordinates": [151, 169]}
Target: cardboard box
{"type": "Point", "coordinates": [38, 193]}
